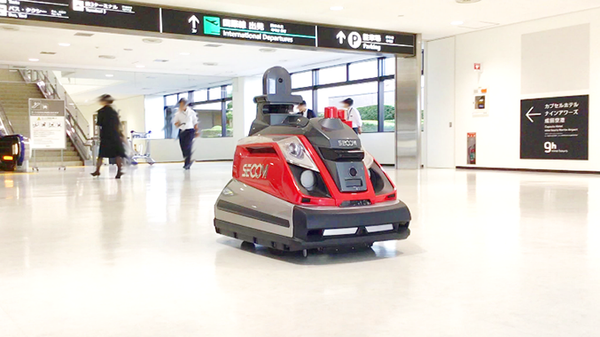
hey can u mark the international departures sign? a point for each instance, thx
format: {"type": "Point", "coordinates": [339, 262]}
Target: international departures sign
{"type": "Point", "coordinates": [224, 26]}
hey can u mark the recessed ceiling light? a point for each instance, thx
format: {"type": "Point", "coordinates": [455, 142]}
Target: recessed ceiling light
{"type": "Point", "coordinates": [64, 44]}
{"type": "Point", "coordinates": [110, 75]}
{"type": "Point", "coordinates": [140, 66]}
{"type": "Point", "coordinates": [210, 64]}
{"type": "Point", "coordinates": [457, 23]}
{"type": "Point", "coordinates": [107, 57]}
{"type": "Point", "coordinates": [184, 54]}
{"type": "Point", "coordinates": [152, 40]}
{"type": "Point", "coordinates": [267, 50]}
{"type": "Point", "coordinates": [467, 1]}
{"type": "Point", "coordinates": [337, 8]}
{"type": "Point", "coordinates": [33, 60]}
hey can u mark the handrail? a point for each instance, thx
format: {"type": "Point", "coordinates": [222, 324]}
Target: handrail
{"type": "Point", "coordinates": [6, 127]}
{"type": "Point", "coordinates": [52, 89]}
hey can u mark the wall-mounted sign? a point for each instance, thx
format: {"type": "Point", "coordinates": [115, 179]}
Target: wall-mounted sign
{"type": "Point", "coordinates": [471, 148]}
{"type": "Point", "coordinates": [47, 124]}
{"type": "Point", "coordinates": [362, 40]}
{"type": "Point", "coordinates": [238, 28]}
{"type": "Point", "coordinates": [90, 13]}
{"type": "Point", "coordinates": [555, 128]}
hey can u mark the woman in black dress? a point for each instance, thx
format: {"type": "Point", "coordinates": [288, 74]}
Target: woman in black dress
{"type": "Point", "coordinates": [111, 137]}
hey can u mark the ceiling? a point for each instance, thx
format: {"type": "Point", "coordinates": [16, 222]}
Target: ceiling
{"type": "Point", "coordinates": [136, 67]}
{"type": "Point", "coordinates": [432, 18]}
{"type": "Point", "coordinates": [168, 66]}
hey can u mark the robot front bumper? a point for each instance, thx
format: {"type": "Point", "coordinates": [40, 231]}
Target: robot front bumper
{"type": "Point", "coordinates": [272, 222]}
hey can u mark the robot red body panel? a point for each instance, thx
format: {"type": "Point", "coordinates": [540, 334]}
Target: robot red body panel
{"type": "Point", "coordinates": [300, 184]}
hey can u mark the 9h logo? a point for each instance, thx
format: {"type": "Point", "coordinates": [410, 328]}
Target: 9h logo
{"type": "Point", "coordinates": [550, 146]}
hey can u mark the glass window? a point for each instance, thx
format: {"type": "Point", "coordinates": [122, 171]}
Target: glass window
{"type": "Point", "coordinates": [307, 96]}
{"type": "Point", "coordinates": [229, 115]}
{"type": "Point", "coordinates": [332, 75]}
{"type": "Point", "coordinates": [209, 119]}
{"type": "Point", "coordinates": [229, 91]}
{"type": "Point", "coordinates": [389, 105]}
{"type": "Point", "coordinates": [183, 95]}
{"type": "Point", "coordinates": [365, 100]}
{"type": "Point", "coordinates": [389, 66]}
{"type": "Point", "coordinates": [302, 80]}
{"type": "Point", "coordinates": [214, 93]}
{"type": "Point", "coordinates": [200, 95]}
{"type": "Point", "coordinates": [362, 70]}
{"type": "Point", "coordinates": [171, 100]}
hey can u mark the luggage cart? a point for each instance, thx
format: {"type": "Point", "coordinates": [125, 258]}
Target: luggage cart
{"type": "Point", "coordinates": [140, 150]}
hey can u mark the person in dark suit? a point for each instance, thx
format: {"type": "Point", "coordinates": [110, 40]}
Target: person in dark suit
{"type": "Point", "coordinates": [305, 111]}
{"type": "Point", "coordinates": [111, 137]}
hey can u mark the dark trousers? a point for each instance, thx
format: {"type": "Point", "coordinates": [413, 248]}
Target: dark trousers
{"type": "Point", "coordinates": [186, 140]}
{"type": "Point", "coordinates": [355, 130]}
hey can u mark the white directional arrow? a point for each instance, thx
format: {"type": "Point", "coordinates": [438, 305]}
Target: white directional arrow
{"type": "Point", "coordinates": [529, 114]}
{"type": "Point", "coordinates": [341, 37]}
{"type": "Point", "coordinates": [194, 21]}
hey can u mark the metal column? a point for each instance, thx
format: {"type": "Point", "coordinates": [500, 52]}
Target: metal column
{"type": "Point", "coordinates": [408, 109]}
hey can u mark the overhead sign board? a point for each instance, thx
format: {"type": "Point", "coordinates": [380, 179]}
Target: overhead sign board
{"type": "Point", "coordinates": [366, 40]}
{"type": "Point", "coordinates": [238, 28]}
{"type": "Point", "coordinates": [47, 124]}
{"type": "Point", "coordinates": [90, 13]}
{"type": "Point", "coordinates": [222, 26]}
{"type": "Point", "coordinates": [555, 128]}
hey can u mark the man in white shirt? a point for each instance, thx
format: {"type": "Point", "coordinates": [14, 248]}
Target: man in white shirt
{"type": "Point", "coordinates": [187, 121]}
{"type": "Point", "coordinates": [353, 115]}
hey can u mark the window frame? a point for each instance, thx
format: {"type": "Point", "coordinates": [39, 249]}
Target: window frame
{"type": "Point", "coordinates": [380, 79]}
{"type": "Point", "coordinates": [224, 100]}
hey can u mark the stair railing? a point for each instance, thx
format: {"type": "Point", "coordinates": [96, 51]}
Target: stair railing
{"type": "Point", "coordinates": [78, 128]}
{"type": "Point", "coordinates": [5, 127]}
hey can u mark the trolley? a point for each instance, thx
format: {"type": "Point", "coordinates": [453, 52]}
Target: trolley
{"type": "Point", "coordinates": [140, 150]}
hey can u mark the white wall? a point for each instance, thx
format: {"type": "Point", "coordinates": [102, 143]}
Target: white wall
{"type": "Point", "coordinates": [131, 110]}
{"type": "Point", "coordinates": [499, 51]}
{"type": "Point", "coordinates": [439, 103]}
{"type": "Point", "coordinates": [168, 150]}
{"type": "Point", "coordinates": [382, 146]}
{"type": "Point", "coordinates": [155, 116]}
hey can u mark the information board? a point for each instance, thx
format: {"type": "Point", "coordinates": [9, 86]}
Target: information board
{"type": "Point", "coordinates": [366, 40]}
{"type": "Point", "coordinates": [47, 124]}
{"type": "Point", "coordinates": [555, 128]}
{"type": "Point", "coordinates": [90, 13]}
{"type": "Point", "coordinates": [238, 28]}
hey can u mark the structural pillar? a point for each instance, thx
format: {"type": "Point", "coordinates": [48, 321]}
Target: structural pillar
{"type": "Point", "coordinates": [408, 109]}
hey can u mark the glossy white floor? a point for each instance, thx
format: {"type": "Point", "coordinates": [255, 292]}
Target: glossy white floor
{"type": "Point", "coordinates": [491, 254]}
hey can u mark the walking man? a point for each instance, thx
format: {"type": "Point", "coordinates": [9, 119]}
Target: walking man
{"type": "Point", "coordinates": [187, 122]}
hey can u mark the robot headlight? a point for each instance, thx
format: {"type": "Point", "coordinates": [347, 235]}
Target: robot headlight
{"type": "Point", "coordinates": [296, 154]}
{"type": "Point", "coordinates": [296, 150]}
